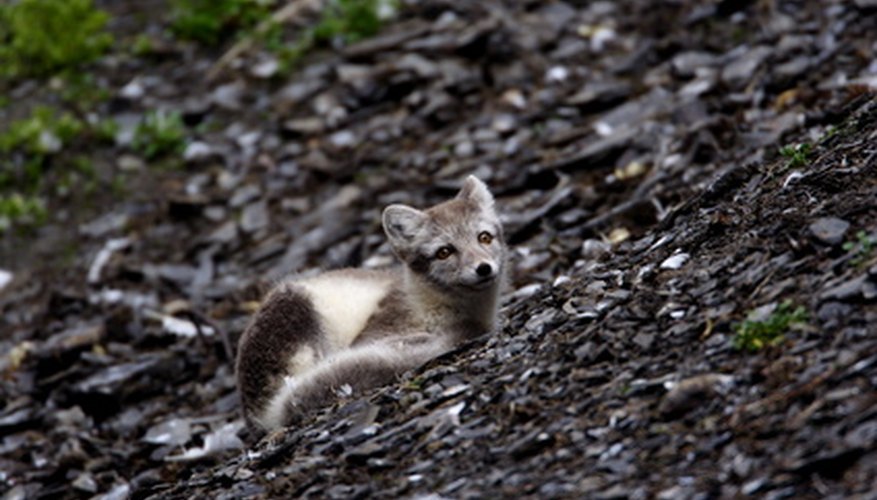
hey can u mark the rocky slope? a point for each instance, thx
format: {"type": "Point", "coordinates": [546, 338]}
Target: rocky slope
{"type": "Point", "coordinates": [634, 151]}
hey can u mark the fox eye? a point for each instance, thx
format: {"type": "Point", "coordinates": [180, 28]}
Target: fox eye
{"type": "Point", "coordinates": [444, 252]}
{"type": "Point", "coordinates": [485, 238]}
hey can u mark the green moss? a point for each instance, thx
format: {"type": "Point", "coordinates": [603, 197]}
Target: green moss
{"type": "Point", "coordinates": [754, 334]}
{"type": "Point", "coordinates": [43, 37]}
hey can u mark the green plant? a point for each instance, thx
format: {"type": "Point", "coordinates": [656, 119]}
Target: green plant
{"type": "Point", "coordinates": [33, 168]}
{"type": "Point", "coordinates": [42, 37]}
{"type": "Point", "coordinates": [28, 155]}
{"type": "Point", "coordinates": [76, 174]}
{"type": "Point", "coordinates": [415, 383]}
{"type": "Point", "coordinates": [142, 45]}
{"type": "Point", "coordinates": [211, 21]}
{"type": "Point", "coordinates": [797, 155]}
{"type": "Point", "coordinates": [105, 130]}
{"type": "Point", "coordinates": [45, 132]}
{"type": "Point", "coordinates": [35, 138]}
{"type": "Point", "coordinates": [82, 91]}
{"type": "Point", "coordinates": [830, 132]}
{"type": "Point", "coordinates": [754, 333]}
{"type": "Point", "coordinates": [346, 21]}
{"type": "Point", "coordinates": [21, 210]}
{"type": "Point", "coordinates": [350, 20]}
{"type": "Point", "coordinates": [862, 248]}
{"type": "Point", "coordinates": [287, 53]}
{"type": "Point", "coordinates": [24, 175]}
{"type": "Point", "coordinates": [159, 133]}
{"type": "Point", "coordinates": [42, 133]}
{"type": "Point", "coordinates": [119, 184]}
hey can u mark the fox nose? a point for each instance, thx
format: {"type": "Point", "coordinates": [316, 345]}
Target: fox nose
{"type": "Point", "coordinates": [484, 269]}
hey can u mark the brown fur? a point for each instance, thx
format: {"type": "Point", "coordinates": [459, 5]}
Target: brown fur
{"type": "Point", "coordinates": [286, 321]}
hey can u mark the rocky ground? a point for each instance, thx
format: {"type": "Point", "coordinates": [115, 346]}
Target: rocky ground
{"type": "Point", "coordinates": [633, 148]}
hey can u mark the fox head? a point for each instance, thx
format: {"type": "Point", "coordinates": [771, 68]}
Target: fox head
{"type": "Point", "coordinates": [455, 245]}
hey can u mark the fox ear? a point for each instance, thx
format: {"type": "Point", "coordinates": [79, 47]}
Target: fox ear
{"type": "Point", "coordinates": [402, 222]}
{"type": "Point", "coordinates": [476, 191]}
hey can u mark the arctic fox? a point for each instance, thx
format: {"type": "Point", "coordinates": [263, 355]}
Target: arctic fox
{"type": "Point", "coordinates": [352, 329]}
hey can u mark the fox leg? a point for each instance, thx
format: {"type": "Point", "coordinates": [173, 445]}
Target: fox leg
{"type": "Point", "coordinates": [361, 367]}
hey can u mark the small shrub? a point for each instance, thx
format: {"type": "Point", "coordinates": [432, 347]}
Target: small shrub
{"type": "Point", "coordinates": [20, 210]}
{"type": "Point", "coordinates": [42, 37]}
{"type": "Point", "coordinates": [754, 334]}
{"type": "Point", "coordinates": [76, 174]}
{"type": "Point", "coordinates": [105, 130]}
{"type": "Point", "coordinates": [29, 152]}
{"type": "Point", "coordinates": [159, 133]}
{"type": "Point", "coordinates": [350, 20]}
{"type": "Point", "coordinates": [212, 21]}
{"type": "Point", "coordinates": [41, 157]}
{"type": "Point", "coordinates": [142, 45]}
{"type": "Point", "coordinates": [82, 92]}
{"type": "Point", "coordinates": [42, 133]}
{"type": "Point", "coordinates": [861, 248]}
{"type": "Point", "coordinates": [797, 155]}
{"type": "Point", "coordinates": [345, 21]}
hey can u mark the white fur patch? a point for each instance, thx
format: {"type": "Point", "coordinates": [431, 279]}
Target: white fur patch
{"type": "Point", "coordinates": [272, 416]}
{"type": "Point", "coordinates": [345, 302]}
{"type": "Point", "coordinates": [304, 359]}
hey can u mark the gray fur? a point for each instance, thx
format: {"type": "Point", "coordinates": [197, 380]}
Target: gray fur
{"type": "Point", "coordinates": [402, 222]}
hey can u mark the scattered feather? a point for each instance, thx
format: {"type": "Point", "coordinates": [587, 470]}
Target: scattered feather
{"type": "Point", "coordinates": [5, 278]}
{"type": "Point", "coordinates": [221, 439]}
{"type": "Point", "coordinates": [675, 261]}
{"type": "Point", "coordinates": [103, 256]}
